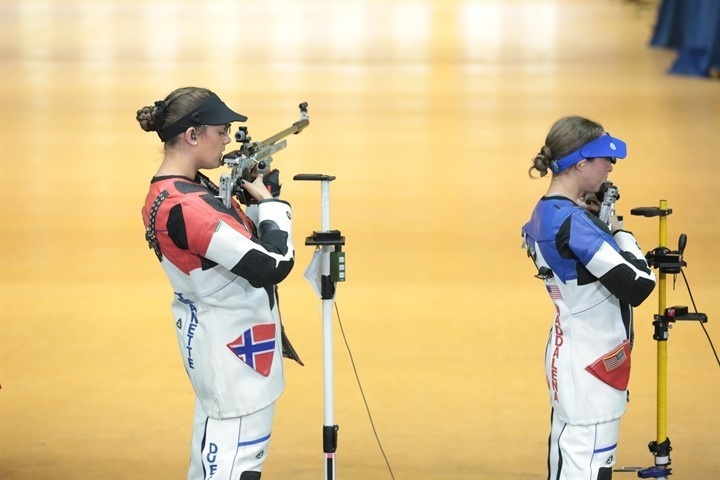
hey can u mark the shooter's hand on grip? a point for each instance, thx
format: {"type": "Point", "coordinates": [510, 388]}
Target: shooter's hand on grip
{"type": "Point", "coordinates": [261, 188]}
{"type": "Point", "coordinates": [589, 202]}
{"type": "Point", "coordinates": [272, 182]}
{"type": "Point", "coordinates": [602, 204]}
{"type": "Point", "coordinates": [256, 190]}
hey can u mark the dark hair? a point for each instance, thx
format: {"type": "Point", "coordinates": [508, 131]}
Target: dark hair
{"type": "Point", "coordinates": [179, 103]}
{"type": "Point", "coordinates": [565, 136]}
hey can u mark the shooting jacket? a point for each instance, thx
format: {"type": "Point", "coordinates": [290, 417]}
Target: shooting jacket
{"type": "Point", "coordinates": [593, 279]}
{"type": "Point", "coordinates": [224, 268]}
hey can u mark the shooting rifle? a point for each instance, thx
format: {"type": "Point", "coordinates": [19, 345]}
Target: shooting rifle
{"type": "Point", "coordinates": [605, 200]}
{"type": "Point", "coordinates": [253, 158]}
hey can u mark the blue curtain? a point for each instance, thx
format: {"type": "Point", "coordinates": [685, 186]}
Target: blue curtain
{"type": "Point", "coordinates": [692, 27]}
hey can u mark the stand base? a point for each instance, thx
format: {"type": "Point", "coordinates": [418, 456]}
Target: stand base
{"type": "Point", "coordinates": [661, 452]}
{"type": "Point", "coordinates": [655, 472]}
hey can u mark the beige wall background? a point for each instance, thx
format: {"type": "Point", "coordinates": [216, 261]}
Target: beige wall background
{"type": "Point", "coordinates": [428, 114]}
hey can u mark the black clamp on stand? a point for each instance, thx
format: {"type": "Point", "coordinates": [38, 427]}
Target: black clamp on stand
{"type": "Point", "coordinates": [667, 262]}
{"type": "Point", "coordinates": [330, 238]}
{"type": "Point", "coordinates": [673, 314]}
{"type": "Point", "coordinates": [332, 270]}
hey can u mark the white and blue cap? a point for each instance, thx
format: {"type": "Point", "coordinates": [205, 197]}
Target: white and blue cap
{"type": "Point", "coordinates": [605, 146]}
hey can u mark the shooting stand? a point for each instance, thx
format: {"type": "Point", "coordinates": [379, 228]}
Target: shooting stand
{"type": "Point", "coordinates": [332, 270]}
{"type": "Point", "coordinates": [667, 262]}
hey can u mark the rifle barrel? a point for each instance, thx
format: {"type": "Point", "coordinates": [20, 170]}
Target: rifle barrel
{"type": "Point", "coordinates": [295, 128]}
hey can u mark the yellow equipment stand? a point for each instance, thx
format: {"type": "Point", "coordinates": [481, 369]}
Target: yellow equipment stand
{"type": "Point", "coordinates": [667, 262]}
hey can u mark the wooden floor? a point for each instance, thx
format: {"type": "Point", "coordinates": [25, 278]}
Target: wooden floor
{"type": "Point", "coordinates": [428, 114]}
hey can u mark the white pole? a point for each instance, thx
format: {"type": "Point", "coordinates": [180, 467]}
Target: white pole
{"type": "Point", "coordinates": [328, 241]}
{"type": "Point", "coordinates": [327, 329]}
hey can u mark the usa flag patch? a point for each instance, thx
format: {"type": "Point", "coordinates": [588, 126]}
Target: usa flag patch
{"type": "Point", "coordinates": [615, 359]}
{"type": "Point", "coordinates": [554, 292]}
{"type": "Point", "coordinates": [256, 347]}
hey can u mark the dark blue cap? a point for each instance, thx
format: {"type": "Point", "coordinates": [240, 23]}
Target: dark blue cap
{"type": "Point", "coordinates": [212, 111]}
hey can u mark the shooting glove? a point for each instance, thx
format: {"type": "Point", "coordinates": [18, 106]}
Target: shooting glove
{"type": "Point", "coordinates": [272, 182]}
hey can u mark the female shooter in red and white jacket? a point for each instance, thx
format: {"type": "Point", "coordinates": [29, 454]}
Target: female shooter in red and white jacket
{"type": "Point", "coordinates": [223, 267]}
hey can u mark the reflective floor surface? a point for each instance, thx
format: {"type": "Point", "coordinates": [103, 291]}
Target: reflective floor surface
{"type": "Point", "coordinates": [428, 114]}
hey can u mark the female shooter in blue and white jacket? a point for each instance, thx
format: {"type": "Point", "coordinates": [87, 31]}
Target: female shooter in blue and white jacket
{"type": "Point", "coordinates": [594, 274]}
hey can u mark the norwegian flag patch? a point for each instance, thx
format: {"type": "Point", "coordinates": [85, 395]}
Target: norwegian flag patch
{"type": "Point", "coordinates": [256, 347]}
